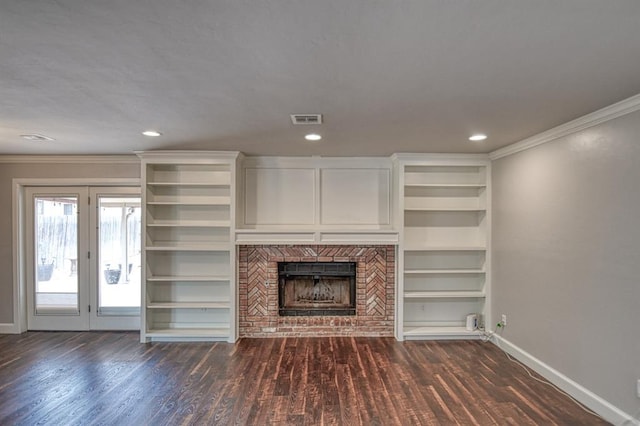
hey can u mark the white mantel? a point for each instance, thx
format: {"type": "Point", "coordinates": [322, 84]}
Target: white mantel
{"type": "Point", "coordinates": [252, 236]}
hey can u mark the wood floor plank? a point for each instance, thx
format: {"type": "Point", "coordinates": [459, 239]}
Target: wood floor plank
{"type": "Point", "coordinates": [363, 389]}
{"type": "Point", "coordinates": [383, 409]}
{"type": "Point", "coordinates": [349, 410]}
{"type": "Point", "coordinates": [109, 378]}
{"type": "Point", "coordinates": [299, 379]}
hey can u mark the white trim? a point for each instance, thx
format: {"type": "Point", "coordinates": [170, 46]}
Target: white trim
{"type": "Point", "coordinates": [439, 159]}
{"type": "Point", "coordinates": [19, 284]}
{"type": "Point", "coordinates": [67, 159]}
{"type": "Point", "coordinates": [233, 252]}
{"type": "Point", "coordinates": [605, 409]}
{"type": "Point", "coordinates": [399, 272]}
{"type": "Point", "coordinates": [321, 237]}
{"type": "Point", "coordinates": [488, 252]}
{"type": "Point", "coordinates": [610, 112]}
{"type": "Point", "coordinates": [8, 328]}
{"type": "Point", "coordinates": [77, 182]}
{"type": "Point", "coordinates": [317, 162]}
{"type": "Point", "coordinates": [188, 157]}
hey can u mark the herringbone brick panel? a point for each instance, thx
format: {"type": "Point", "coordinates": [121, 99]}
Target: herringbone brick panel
{"type": "Point", "coordinates": [258, 314]}
{"type": "Point", "coordinates": [257, 275]}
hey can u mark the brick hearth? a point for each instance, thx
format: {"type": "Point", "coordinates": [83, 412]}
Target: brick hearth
{"type": "Point", "coordinates": [258, 291]}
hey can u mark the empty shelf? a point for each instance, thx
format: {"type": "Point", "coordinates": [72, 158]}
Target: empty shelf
{"type": "Point", "coordinates": [443, 294]}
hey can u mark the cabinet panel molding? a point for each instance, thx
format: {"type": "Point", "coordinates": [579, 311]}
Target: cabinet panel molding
{"type": "Point", "coordinates": [279, 196]}
{"type": "Point", "coordinates": [355, 196]}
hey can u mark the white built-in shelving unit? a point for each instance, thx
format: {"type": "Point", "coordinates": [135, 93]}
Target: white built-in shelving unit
{"type": "Point", "coordinates": [443, 256]}
{"type": "Point", "coordinates": [434, 207]}
{"type": "Point", "coordinates": [188, 290]}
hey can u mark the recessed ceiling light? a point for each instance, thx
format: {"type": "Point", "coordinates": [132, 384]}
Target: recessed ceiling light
{"type": "Point", "coordinates": [478, 137]}
{"type": "Point", "coordinates": [152, 133]}
{"type": "Point", "coordinates": [313, 137]}
{"type": "Point", "coordinates": [36, 137]}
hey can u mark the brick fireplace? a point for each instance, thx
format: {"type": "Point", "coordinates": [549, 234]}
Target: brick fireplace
{"type": "Point", "coordinates": [258, 291]}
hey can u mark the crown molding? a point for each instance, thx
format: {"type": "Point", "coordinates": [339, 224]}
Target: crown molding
{"type": "Point", "coordinates": [408, 158]}
{"type": "Point", "coordinates": [187, 154]}
{"type": "Point", "coordinates": [71, 159]}
{"type": "Point", "coordinates": [610, 112]}
{"type": "Point", "coordinates": [316, 161]}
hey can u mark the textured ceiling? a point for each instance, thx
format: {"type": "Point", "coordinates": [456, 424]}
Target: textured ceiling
{"type": "Point", "coordinates": [389, 76]}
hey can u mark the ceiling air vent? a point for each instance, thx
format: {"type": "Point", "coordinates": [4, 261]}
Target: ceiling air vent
{"type": "Point", "coordinates": [306, 118]}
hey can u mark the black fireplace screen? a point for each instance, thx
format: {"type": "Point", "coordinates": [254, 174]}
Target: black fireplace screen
{"type": "Point", "coordinates": [316, 288]}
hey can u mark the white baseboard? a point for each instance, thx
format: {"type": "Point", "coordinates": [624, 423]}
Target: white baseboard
{"type": "Point", "coordinates": [9, 328]}
{"type": "Point", "coordinates": [606, 410]}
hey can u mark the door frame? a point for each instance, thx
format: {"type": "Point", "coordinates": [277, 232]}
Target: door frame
{"type": "Point", "coordinates": [19, 222]}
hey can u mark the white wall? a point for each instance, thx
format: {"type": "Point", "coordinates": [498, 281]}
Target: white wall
{"type": "Point", "coordinates": [566, 256]}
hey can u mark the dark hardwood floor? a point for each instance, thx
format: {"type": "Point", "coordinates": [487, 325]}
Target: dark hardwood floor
{"type": "Point", "coordinates": [61, 378]}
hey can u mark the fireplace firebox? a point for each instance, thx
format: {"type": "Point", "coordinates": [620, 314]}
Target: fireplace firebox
{"type": "Point", "coordinates": [316, 288]}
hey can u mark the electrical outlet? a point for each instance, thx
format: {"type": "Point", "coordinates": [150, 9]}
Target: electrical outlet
{"type": "Point", "coordinates": [504, 320]}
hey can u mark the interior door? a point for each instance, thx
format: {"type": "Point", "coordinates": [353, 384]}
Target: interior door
{"type": "Point", "coordinates": [83, 252]}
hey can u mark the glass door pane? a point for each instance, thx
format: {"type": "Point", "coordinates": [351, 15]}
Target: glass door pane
{"type": "Point", "coordinates": [119, 274]}
{"type": "Point", "coordinates": [56, 254]}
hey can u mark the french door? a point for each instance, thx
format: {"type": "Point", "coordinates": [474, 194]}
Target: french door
{"type": "Point", "coordinates": [83, 258]}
